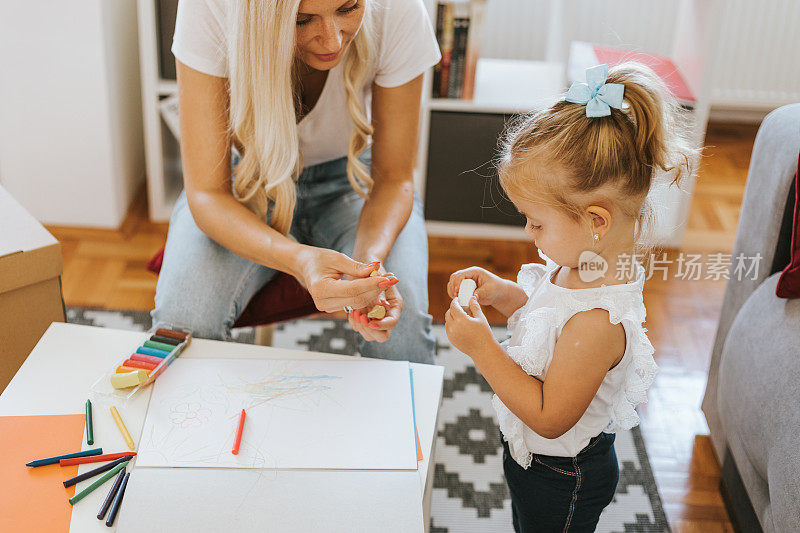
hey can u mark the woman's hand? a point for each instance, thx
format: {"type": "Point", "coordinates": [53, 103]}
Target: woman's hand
{"type": "Point", "coordinates": [378, 330]}
{"type": "Point", "coordinates": [321, 271]}
{"type": "Point", "coordinates": [469, 334]}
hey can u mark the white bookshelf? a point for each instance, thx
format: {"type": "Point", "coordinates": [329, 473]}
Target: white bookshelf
{"type": "Point", "coordinates": [502, 86]}
{"type": "Point", "coordinates": [164, 175]}
{"type": "Point", "coordinates": [506, 86]}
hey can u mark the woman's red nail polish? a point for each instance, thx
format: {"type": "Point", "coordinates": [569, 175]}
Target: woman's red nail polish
{"type": "Point", "coordinates": [373, 326]}
{"type": "Point", "coordinates": [364, 320]}
{"type": "Point", "coordinates": [356, 315]}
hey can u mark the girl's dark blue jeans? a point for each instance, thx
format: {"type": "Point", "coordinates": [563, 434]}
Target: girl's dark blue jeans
{"type": "Point", "coordinates": [562, 493]}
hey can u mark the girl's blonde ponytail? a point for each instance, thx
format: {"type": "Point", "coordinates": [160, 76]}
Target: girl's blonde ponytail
{"type": "Point", "coordinates": [628, 149]}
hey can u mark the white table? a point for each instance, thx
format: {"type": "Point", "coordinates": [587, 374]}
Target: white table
{"type": "Point", "coordinates": [56, 378]}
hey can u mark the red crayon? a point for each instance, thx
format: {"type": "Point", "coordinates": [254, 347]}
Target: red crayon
{"type": "Point", "coordinates": [139, 364]}
{"type": "Point", "coordinates": [94, 458]}
{"type": "Point", "coordinates": [238, 440]}
{"type": "Point", "coordinates": [146, 358]}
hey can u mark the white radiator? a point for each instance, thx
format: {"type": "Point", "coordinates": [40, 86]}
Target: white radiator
{"type": "Point", "coordinates": [756, 62]}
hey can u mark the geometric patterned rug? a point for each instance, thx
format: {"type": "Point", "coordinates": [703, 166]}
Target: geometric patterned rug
{"type": "Point", "coordinates": [469, 490]}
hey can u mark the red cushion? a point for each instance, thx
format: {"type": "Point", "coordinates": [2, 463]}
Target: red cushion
{"type": "Point", "coordinates": [154, 265]}
{"type": "Point", "coordinates": [789, 282]}
{"type": "Point", "coordinates": [283, 298]}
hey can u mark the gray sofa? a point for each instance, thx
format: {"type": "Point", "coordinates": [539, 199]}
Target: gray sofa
{"type": "Point", "coordinates": [752, 400]}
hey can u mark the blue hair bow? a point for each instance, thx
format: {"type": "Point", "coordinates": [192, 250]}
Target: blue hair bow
{"type": "Point", "coordinates": [598, 96]}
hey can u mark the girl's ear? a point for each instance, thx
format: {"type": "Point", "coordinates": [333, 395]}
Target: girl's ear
{"type": "Point", "coordinates": [600, 219]}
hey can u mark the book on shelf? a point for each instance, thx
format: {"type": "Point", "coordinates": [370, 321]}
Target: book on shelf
{"type": "Point", "coordinates": [437, 69]}
{"type": "Point", "coordinates": [583, 55]}
{"type": "Point", "coordinates": [477, 11]}
{"type": "Point", "coordinates": [456, 80]}
{"type": "Point", "coordinates": [458, 31]}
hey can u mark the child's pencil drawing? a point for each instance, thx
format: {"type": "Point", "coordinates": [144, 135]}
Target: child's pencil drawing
{"type": "Point", "coordinates": [300, 414]}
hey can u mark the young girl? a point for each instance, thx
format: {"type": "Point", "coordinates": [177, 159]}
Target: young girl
{"type": "Point", "coordinates": [578, 360]}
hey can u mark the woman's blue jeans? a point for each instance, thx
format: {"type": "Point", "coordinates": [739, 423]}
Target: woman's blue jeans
{"type": "Point", "coordinates": [205, 287]}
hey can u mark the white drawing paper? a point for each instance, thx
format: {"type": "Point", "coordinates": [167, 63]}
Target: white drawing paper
{"type": "Point", "coordinates": [300, 414]}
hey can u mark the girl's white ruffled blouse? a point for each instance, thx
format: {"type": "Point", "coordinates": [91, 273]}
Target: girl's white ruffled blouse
{"type": "Point", "coordinates": [534, 329]}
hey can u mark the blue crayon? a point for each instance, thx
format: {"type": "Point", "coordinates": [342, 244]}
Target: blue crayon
{"type": "Point", "coordinates": [57, 458]}
{"type": "Point", "coordinates": [110, 498]}
{"type": "Point", "coordinates": [112, 513]}
{"type": "Point", "coordinates": [152, 351]}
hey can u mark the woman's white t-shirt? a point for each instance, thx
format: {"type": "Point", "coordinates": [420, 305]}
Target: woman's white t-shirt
{"type": "Point", "coordinates": [406, 47]}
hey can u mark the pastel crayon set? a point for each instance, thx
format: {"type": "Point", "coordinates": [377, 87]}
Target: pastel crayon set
{"type": "Point", "coordinates": [143, 365]}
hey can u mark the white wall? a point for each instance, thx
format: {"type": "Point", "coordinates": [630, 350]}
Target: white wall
{"type": "Point", "coordinates": [71, 149]}
{"type": "Point", "coordinates": [517, 29]}
{"type": "Point", "coordinates": [122, 61]}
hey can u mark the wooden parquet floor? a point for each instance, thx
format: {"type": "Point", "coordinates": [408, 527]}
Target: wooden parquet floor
{"type": "Point", "coordinates": [106, 269]}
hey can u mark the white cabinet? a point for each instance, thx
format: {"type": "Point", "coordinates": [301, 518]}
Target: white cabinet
{"type": "Point", "coordinates": [164, 174]}
{"type": "Point", "coordinates": [71, 148]}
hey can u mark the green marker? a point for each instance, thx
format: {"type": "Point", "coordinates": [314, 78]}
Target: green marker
{"type": "Point", "coordinates": [158, 346]}
{"type": "Point", "coordinates": [108, 475]}
{"type": "Point", "coordinates": [89, 432]}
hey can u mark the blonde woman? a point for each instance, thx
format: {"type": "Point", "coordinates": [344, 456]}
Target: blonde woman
{"type": "Point", "coordinates": [320, 99]}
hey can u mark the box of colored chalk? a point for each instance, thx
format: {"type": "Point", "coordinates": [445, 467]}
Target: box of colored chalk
{"type": "Point", "coordinates": [141, 365]}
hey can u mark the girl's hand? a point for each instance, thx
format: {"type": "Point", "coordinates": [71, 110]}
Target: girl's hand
{"type": "Point", "coordinates": [469, 334]}
{"type": "Point", "coordinates": [321, 273]}
{"type": "Point", "coordinates": [490, 287]}
{"type": "Point", "coordinates": [378, 330]}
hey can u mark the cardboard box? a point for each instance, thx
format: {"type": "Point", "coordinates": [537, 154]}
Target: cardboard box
{"type": "Point", "coordinates": [30, 284]}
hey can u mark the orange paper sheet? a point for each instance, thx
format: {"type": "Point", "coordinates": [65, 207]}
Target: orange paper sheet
{"type": "Point", "coordinates": [34, 499]}
{"type": "Point", "coordinates": [419, 448]}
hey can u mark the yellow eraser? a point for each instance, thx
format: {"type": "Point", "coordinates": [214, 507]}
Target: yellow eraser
{"type": "Point", "coordinates": [123, 380]}
{"type": "Point", "coordinates": [377, 312]}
